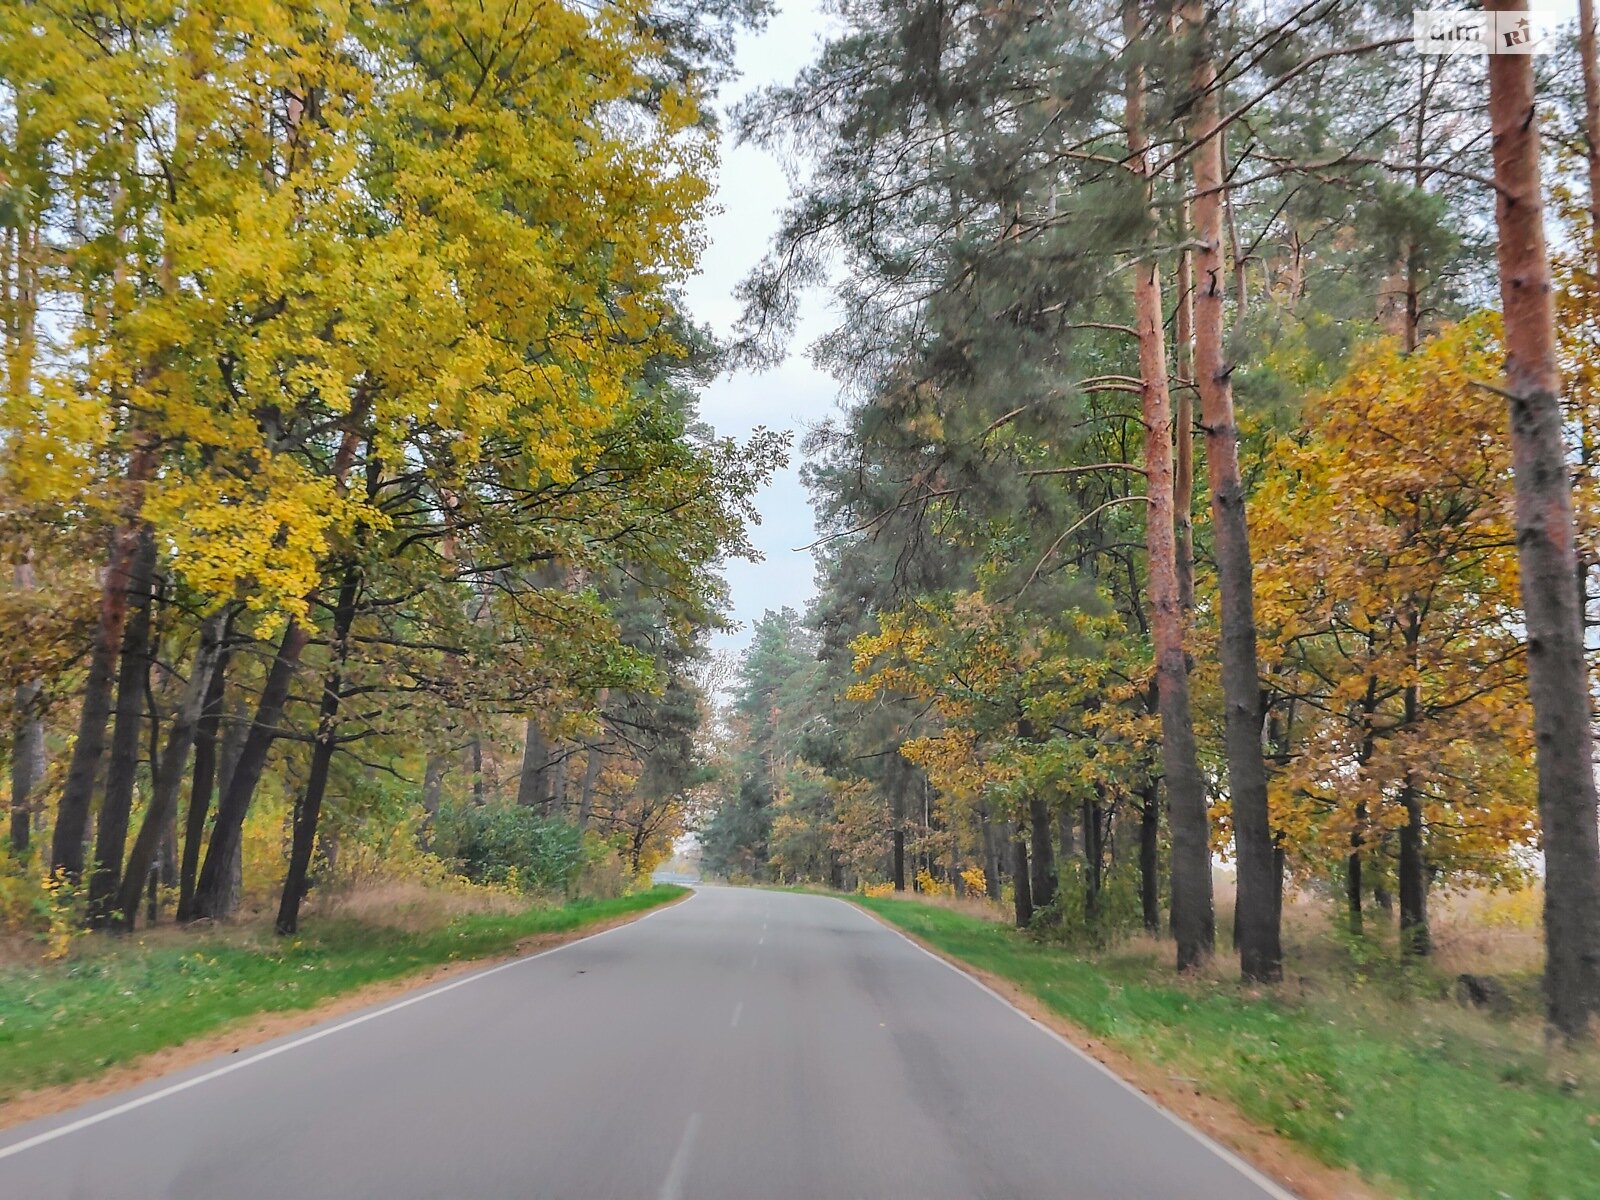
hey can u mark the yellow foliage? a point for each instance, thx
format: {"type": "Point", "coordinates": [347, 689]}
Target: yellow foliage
{"type": "Point", "coordinates": [1387, 598]}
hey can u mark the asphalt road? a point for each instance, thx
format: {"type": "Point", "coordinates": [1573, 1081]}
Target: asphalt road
{"type": "Point", "coordinates": [742, 1045]}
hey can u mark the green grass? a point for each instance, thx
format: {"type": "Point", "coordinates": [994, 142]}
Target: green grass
{"type": "Point", "coordinates": [1421, 1100]}
{"type": "Point", "coordinates": [67, 1021]}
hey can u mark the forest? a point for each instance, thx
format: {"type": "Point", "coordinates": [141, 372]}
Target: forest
{"type": "Point", "coordinates": [358, 518]}
{"type": "Point", "coordinates": [1214, 494]}
{"type": "Point", "coordinates": [1202, 656]}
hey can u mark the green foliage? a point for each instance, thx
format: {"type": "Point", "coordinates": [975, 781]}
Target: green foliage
{"type": "Point", "coordinates": [1070, 920]}
{"type": "Point", "coordinates": [510, 845]}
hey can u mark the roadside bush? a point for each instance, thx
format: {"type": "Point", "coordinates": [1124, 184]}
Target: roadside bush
{"type": "Point", "coordinates": [509, 845]}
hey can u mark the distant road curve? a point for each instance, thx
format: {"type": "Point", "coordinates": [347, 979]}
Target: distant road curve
{"type": "Point", "coordinates": [743, 1045]}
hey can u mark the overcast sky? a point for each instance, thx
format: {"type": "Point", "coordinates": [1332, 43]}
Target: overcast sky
{"type": "Point", "coordinates": [751, 190]}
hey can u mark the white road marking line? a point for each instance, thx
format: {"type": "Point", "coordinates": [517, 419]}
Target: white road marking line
{"type": "Point", "coordinates": [672, 1186]}
{"type": "Point", "coordinates": [1269, 1186]}
{"type": "Point", "coordinates": [50, 1135]}
{"type": "Point", "coordinates": [762, 940]}
{"type": "Point", "coordinates": [737, 1010]}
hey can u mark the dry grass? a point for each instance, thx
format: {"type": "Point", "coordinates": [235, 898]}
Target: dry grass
{"type": "Point", "coordinates": [980, 907]}
{"type": "Point", "coordinates": [410, 906]}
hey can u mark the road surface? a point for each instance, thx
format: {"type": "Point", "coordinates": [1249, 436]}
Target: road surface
{"type": "Point", "coordinates": [741, 1045]}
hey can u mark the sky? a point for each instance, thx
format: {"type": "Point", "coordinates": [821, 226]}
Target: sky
{"type": "Point", "coordinates": [751, 191]}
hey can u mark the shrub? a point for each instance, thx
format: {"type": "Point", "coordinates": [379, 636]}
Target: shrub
{"type": "Point", "coordinates": [509, 845]}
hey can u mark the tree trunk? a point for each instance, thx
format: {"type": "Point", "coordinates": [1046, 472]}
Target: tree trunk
{"type": "Point", "coordinates": [433, 784]}
{"type": "Point", "coordinates": [1150, 857]}
{"type": "Point", "coordinates": [1066, 836]}
{"type": "Point", "coordinates": [205, 768]}
{"type": "Point", "coordinates": [1021, 892]}
{"type": "Point", "coordinates": [308, 806]}
{"type": "Point", "coordinates": [558, 781]}
{"type": "Point", "coordinates": [897, 817]}
{"type": "Point", "coordinates": [133, 681]}
{"type": "Point", "coordinates": [1260, 949]}
{"type": "Point", "coordinates": [216, 888]}
{"type": "Point", "coordinates": [591, 775]}
{"type": "Point", "coordinates": [27, 762]}
{"type": "Point", "coordinates": [1042, 881]}
{"type": "Point", "coordinates": [1194, 922]}
{"type": "Point", "coordinates": [475, 751]}
{"type": "Point", "coordinates": [157, 825]}
{"type": "Point", "coordinates": [1352, 878]}
{"type": "Point", "coordinates": [27, 740]}
{"type": "Point", "coordinates": [1093, 863]}
{"type": "Point", "coordinates": [991, 854]}
{"type": "Point", "coordinates": [1558, 679]}
{"type": "Point", "coordinates": [533, 785]}
{"type": "Point", "coordinates": [1415, 937]}
{"type": "Point", "coordinates": [77, 792]}
{"type": "Point", "coordinates": [1591, 121]}
{"type": "Point", "coordinates": [1183, 426]}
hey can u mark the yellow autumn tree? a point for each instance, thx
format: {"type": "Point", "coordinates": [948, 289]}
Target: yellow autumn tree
{"type": "Point", "coordinates": [307, 247]}
{"type": "Point", "coordinates": [1387, 593]}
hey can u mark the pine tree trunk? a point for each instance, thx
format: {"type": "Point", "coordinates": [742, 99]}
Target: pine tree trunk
{"type": "Point", "coordinates": [157, 826]}
{"type": "Point", "coordinates": [1183, 428]}
{"type": "Point", "coordinates": [308, 806]}
{"type": "Point", "coordinates": [1195, 922]}
{"type": "Point", "coordinates": [1260, 948]}
{"type": "Point", "coordinates": [216, 890]}
{"type": "Point", "coordinates": [116, 802]}
{"type": "Point", "coordinates": [1558, 678]}
{"type": "Point", "coordinates": [1591, 120]}
{"type": "Point", "coordinates": [205, 769]}
{"type": "Point", "coordinates": [1021, 891]}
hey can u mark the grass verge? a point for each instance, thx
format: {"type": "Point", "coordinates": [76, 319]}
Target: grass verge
{"type": "Point", "coordinates": [120, 1000]}
{"type": "Point", "coordinates": [1417, 1100]}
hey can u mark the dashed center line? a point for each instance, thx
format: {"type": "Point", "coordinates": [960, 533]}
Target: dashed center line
{"type": "Point", "coordinates": [672, 1186]}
